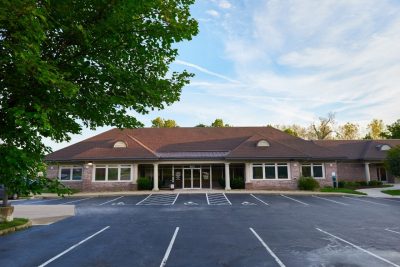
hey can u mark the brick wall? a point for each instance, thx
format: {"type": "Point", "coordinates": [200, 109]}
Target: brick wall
{"type": "Point", "coordinates": [351, 171]}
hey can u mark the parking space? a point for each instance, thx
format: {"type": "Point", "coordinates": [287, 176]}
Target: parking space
{"type": "Point", "coordinates": [201, 229]}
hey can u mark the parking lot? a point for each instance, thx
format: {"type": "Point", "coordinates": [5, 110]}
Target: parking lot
{"type": "Point", "coordinates": [212, 229]}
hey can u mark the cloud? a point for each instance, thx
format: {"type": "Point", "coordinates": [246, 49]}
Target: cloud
{"type": "Point", "coordinates": [213, 13]}
{"type": "Point", "coordinates": [206, 71]}
{"type": "Point", "coordinates": [224, 4]}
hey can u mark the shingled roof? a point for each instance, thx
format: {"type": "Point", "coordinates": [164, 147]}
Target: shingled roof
{"type": "Point", "coordinates": [206, 143]}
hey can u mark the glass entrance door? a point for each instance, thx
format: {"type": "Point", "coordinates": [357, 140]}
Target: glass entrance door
{"type": "Point", "coordinates": [187, 178]}
{"type": "Point", "coordinates": [196, 178]}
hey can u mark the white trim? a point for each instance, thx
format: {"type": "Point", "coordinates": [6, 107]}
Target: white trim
{"type": "Point", "coordinates": [71, 170]}
{"type": "Point", "coordinates": [171, 243]}
{"type": "Point", "coordinates": [270, 164]}
{"type": "Point", "coordinates": [280, 263]}
{"type": "Point", "coordinates": [312, 169]}
{"type": "Point", "coordinates": [71, 248]}
{"type": "Point", "coordinates": [113, 166]}
{"type": "Point", "coordinates": [359, 248]}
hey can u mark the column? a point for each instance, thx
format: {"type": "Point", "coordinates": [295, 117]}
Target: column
{"type": "Point", "coordinates": [227, 178]}
{"type": "Point", "coordinates": [135, 173]}
{"type": "Point", "coordinates": [367, 174]}
{"type": "Point", "coordinates": [155, 177]}
{"type": "Point", "coordinates": [247, 172]}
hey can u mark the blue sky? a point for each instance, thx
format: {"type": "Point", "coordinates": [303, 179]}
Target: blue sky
{"type": "Point", "coordinates": [265, 62]}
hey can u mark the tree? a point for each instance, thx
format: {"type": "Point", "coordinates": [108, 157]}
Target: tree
{"type": "Point", "coordinates": [348, 131]}
{"type": "Point", "coordinates": [393, 131]}
{"type": "Point", "coordinates": [201, 125]}
{"type": "Point", "coordinates": [69, 64]}
{"type": "Point", "coordinates": [375, 129]}
{"type": "Point", "coordinates": [392, 161]}
{"type": "Point", "coordinates": [219, 123]}
{"type": "Point", "coordinates": [162, 123]}
{"type": "Point", "coordinates": [294, 129]}
{"type": "Point", "coordinates": [323, 129]}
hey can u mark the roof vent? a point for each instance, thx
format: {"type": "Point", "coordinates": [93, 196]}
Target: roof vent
{"type": "Point", "coordinates": [385, 147]}
{"type": "Point", "coordinates": [120, 144]}
{"type": "Point", "coordinates": [263, 143]}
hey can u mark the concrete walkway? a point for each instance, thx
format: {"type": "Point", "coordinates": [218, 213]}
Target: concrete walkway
{"type": "Point", "coordinates": [376, 192]}
{"type": "Point", "coordinates": [44, 214]}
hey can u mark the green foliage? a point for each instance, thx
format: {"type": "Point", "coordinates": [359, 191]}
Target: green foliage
{"type": "Point", "coordinates": [64, 64]}
{"type": "Point", "coordinates": [144, 183]}
{"type": "Point", "coordinates": [162, 123]}
{"type": "Point", "coordinates": [237, 183]}
{"type": "Point", "coordinates": [219, 123]}
{"type": "Point", "coordinates": [393, 131]}
{"type": "Point", "coordinates": [392, 161]}
{"type": "Point", "coordinates": [307, 183]}
{"type": "Point", "coordinates": [359, 184]}
{"type": "Point", "coordinates": [291, 132]}
{"type": "Point", "coordinates": [375, 183]}
{"type": "Point", "coordinates": [341, 190]}
{"type": "Point", "coordinates": [201, 125]}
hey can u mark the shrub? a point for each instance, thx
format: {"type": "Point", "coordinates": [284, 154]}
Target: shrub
{"type": "Point", "coordinates": [341, 184]}
{"type": "Point", "coordinates": [237, 183]}
{"type": "Point", "coordinates": [375, 183]}
{"type": "Point", "coordinates": [221, 181]}
{"type": "Point", "coordinates": [362, 183]}
{"type": "Point", "coordinates": [144, 183]}
{"type": "Point", "coordinates": [307, 183]}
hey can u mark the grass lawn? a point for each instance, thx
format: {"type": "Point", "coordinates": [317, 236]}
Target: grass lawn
{"type": "Point", "coordinates": [15, 222]}
{"type": "Point", "coordinates": [392, 192]}
{"type": "Point", "coordinates": [341, 190]}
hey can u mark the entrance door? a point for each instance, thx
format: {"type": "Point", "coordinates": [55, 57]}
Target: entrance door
{"type": "Point", "coordinates": [187, 178]}
{"type": "Point", "coordinates": [196, 178]}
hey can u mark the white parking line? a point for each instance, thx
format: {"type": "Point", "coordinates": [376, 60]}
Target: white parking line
{"type": "Point", "coordinates": [359, 248]}
{"type": "Point", "coordinates": [144, 199]}
{"type": "Point", "coordinates": [268, 249]}
{"type": "Point", "coordinates": [327, 199]}
{"type": "Point", "coordinates": [208, 201]}
{"type": "Point", "coordinates": [171, 243]}
{"type": "Point", "coordinates": [259, 199]}
{"type": "Point", "coordinates": [110, 201]}
{"type": "Point", "coordinates": [173, 203]}
{"type": "Point", "coordinates": [376, 203]}
{"type": "Point", "coordinates": [295, 200]}
{"type": "Point", "coordinates": [387, 229]}
{"type": "Point", "coordinates": [74, 246]}
{"type": "Point", "coordinates": [74, 201]}
{"type": "Point", "coordinates": [227, 199]}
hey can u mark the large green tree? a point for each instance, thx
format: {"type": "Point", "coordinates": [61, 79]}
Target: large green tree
{"type": "Point", "coordinates": [64, 64]}
{"type": "Point", "coordinates": [163, 123]}
{"type": "Point", "coordinates": [392, 162]}
{"type": "Point", "coordinates": [393, 131]}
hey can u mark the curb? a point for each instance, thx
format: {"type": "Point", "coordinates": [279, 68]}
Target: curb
{"type": "Point", "coordinates": [16, 228]}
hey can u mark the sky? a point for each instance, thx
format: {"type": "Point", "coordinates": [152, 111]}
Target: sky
{"type": "Point", "coordinates": [263, 62]}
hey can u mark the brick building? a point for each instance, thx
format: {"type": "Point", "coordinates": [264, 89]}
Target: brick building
{"type": "Point", "coordinates": [208, 158]}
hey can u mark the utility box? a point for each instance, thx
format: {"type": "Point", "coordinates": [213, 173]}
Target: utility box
{"type": "Point", "coordinates": [334, 180]}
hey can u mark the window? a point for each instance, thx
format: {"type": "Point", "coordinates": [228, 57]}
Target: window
{"type": "Point", "coordinates": [263, 143]}
{"type": "Point", "coordinates": [271, 171]}
{"type": "Point", "coordinates": [283, 171]}
{"type": "Point", "coordinates": [112, 173]}
{"type": "Point", "coordinates": [315, 170]}
{"type": "Point", "coordinates": [257, 171]}
{"type": "Point", "coordinates": [70, 173]}
{"type": "Point", "coordinates": [120, 144]}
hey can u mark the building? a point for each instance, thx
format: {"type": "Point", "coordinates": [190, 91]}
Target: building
{"type": "Point", "coordinates": [209, 158]}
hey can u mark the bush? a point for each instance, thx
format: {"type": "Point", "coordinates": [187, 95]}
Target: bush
{"type": "Point", "coordinates": [144, 183]}
{"type": "Point", "coordinates": [237, 183]}
{"type": "Point", "coordinates": [375, 183]}
{"type": "Point", "coordinates": [341, 184]}
{"type": "Point", "coordinates": [362, 183]}
{"type": "Point", "coordinates": [308, 183]}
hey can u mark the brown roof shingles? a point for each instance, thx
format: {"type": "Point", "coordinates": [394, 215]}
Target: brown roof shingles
{"type": "Point", "coordinates": [191, 143]}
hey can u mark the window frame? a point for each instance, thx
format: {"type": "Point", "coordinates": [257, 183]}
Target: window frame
{"type": "Point", "coordinates": [311, 165]}
{"type": "Point", "coordinates": [270, 164]}
{"type": "Point", "coordinates": [112, 166]}
{"type": "Point", "coordinates": [71, 172]}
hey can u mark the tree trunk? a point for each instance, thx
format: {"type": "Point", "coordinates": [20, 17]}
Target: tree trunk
{"type": "Point", "coordinates": [5, 198]}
